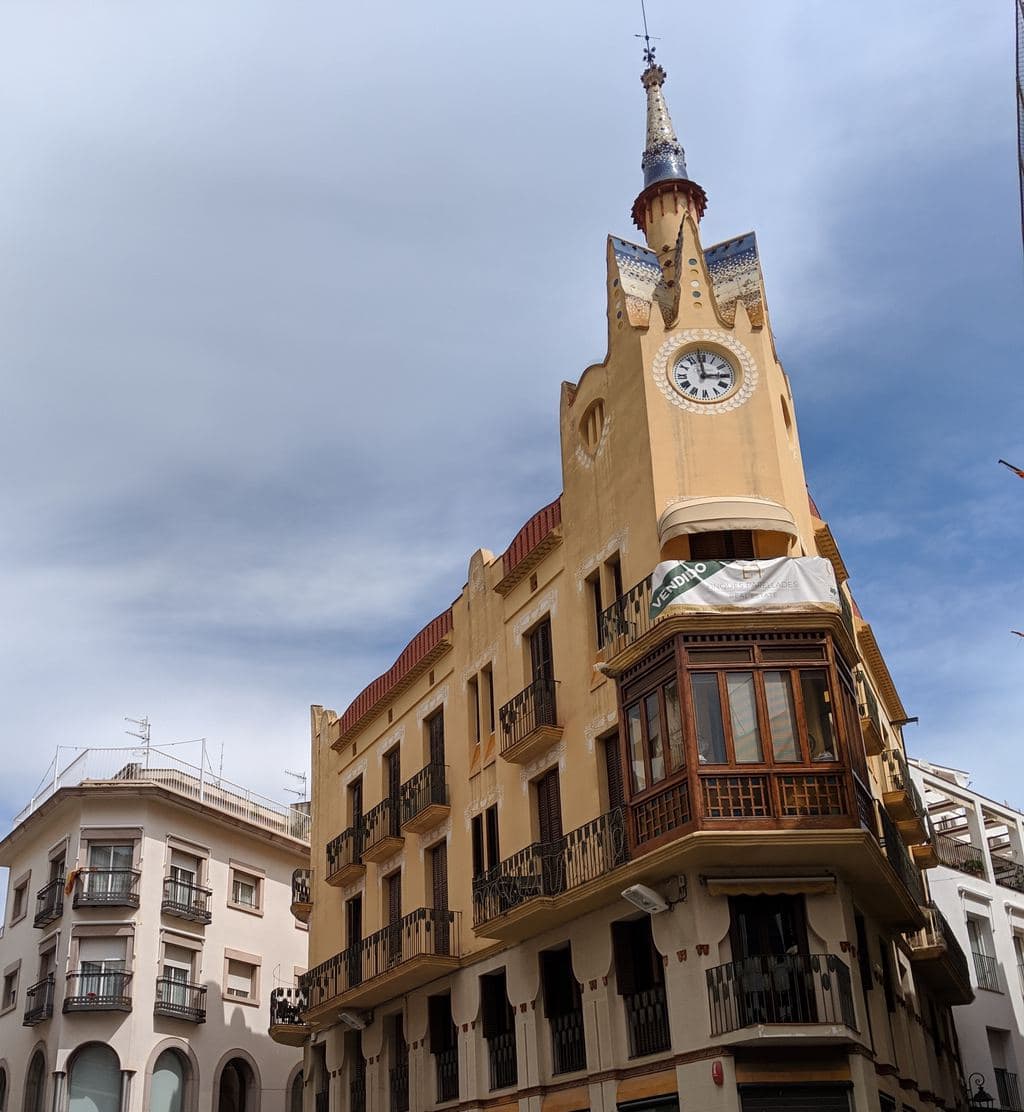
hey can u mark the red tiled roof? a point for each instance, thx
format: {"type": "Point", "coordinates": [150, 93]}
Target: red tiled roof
{"type": "Point", "coordinates": [427, 639]}
{"type": "Point", "coordinates": [531, 534]}
{"type": "Point", "coordinates": [814, 507]}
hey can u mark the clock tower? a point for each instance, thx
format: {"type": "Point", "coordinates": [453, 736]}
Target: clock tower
{"type": "Point", "coordinates": [687, 427]}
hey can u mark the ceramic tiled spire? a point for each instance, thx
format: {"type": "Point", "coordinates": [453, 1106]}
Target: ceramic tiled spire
{"type": "Point", "coordinates": [664, 159]}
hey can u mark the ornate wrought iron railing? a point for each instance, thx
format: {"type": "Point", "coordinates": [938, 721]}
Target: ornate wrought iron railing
{"type": "Point", "coordinates": [896, 778]}
{"type": "Point", "coordinates": [782, 988]}
{"type": "Point", "coordinates": [346, 849]}
{"type": "Point", "coordinates": [899, 858]}
{"type": "Point", "coordinates": [180, 1000]}
{"type": "Point", "coordinates": [628, 617]}
{"type": "Point", "coordinates": [938, 933]}
{"type": "Point", "coordinates": [551, 868]}
{"type": "Point", "coordinates": [287, 1006]}
{"type": "Point", "coordinates": [647, 1021]}
{"type": "Point", "coordinates": [501, 1060]}
{"type": "Point", "coordinates": [447, 1065]}
{"type": "Point", "coordinates": [533, 707]}
{"type": "Point", "coordinates": [382, 821]}
{"type": "Point", "coordinates": [422, 790]}
{"type": "Point", "coordinates": [568, 1045]}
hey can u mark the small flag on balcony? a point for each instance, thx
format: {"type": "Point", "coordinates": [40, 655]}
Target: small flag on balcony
{"type": "Point", "coordinates": [1019, 472]}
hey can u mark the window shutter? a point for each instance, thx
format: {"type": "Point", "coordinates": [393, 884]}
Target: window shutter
{"type": "Point", "coordinates": [625, 959]}
{"type": "Point", "coordinates": [549, 807]}
{"type": "Point", "coordinates": [491, 820]}
{"type": "Point", "coordinates": [613, 766]}
{"type": "Point", "coordinates": [439, 1016]}
{"type": "Point", "coordinates": [541, 660]}
{"type": "Point", "coordinates": [436, 727]}
{"type": "Point", "coordinates": [394, 773]}
{"type": "Point", "coordinates": [394, 898]}
{"type": "Point", "coordinates": [439, 868]}
{"type": "Point", "coordinates": [354, 917]}
{"type": "Point", "coordinates": [558, 983]}
{"type": "Point", "coordinates": [477, 827]}
{"type": "Point", "coordinates": [495, 1005]}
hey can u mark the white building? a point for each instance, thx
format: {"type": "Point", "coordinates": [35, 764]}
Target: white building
{"type": "Point", "coordinates": [147, 923]}
{"type": "Point", "coordinates": [979, 887]}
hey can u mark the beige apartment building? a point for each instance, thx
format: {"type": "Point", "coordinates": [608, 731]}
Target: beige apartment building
{"type": "Point", "coordinates": [629, 825]}
{"type": "Point", "coordinates": [147, 924]}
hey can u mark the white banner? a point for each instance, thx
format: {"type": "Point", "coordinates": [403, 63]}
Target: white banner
{"type": "Point", "coordinates": [807, 582]}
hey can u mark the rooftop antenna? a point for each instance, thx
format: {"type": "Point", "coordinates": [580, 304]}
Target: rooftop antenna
{"type": "Point", "coordinates": [303, 779]}
{"type": "Point", "coordinates": [142, 733]}
{"type": "Point", "coordinates": [648, 49]}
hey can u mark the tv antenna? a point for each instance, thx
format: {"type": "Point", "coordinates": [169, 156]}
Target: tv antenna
{"type": "Point", "coordinates": [648, 49]}
{"type": "Point", "coordinates": [303, 779]}
{"type": "Point", "coordinates": [142, 733]}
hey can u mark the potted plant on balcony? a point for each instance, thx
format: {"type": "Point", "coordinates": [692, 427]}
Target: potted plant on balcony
{"type": "Point", "coordinates": [974, 866]}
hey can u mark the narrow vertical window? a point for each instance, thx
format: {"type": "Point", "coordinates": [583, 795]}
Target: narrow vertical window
{"type": "Point", "coordinates": [636, 748]}
{"type": "Point", "coordinates": [474, 710]}
{"type": "Point", "coordinates": [477, 830]}
{"type": "Point", "coordinates": [821, 740]}
{"type": "Point", "coordinates": [594, 589]}
{"type": "Point", "coordinates": [491, 828]}
{"type": "Point", "coordinates": [746, 736]}
{"type": "Point", "coordinates": [674, 721]}
{"type": "Point", "coordinates": [707, 708]}
{"type": "Point", "coordinates": [488, 675]}
{"type": "Point", "coordinates": [778, 690]}
{"type": "Point", "coordinates": [654, 742]}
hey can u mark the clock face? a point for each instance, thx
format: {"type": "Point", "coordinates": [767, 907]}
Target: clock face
{"type": "Point", "coordinates": [704, 376]}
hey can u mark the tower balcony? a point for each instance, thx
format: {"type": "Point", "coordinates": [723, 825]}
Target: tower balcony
{"type": "Point", "coordinates": [870, 719]}
{"type": "Point", "coordinates": [529, 722]}
{"type": "Point", "coordinates": [49, 903]}
{"type": "Point", "coordinates": [549, 883]}
{"type": "Point", "coordinates": [345, 856]}
{"type": "Point", "coordinates": [107, 888]}
{"type": "Point", "coordinates": [302, 895]}
{"type": "Point", "coordinates": [782, 997]}
{"type": "Point", "coordinates": [939, 960]}
{"type": "Point", "coordinates": [288, 1024]}
{"type": "Point", "coordinates": [397, 959]}
{"type": "Point", "coordinates": [424, 799]}
{"type": "Point", "coordinates": [383, 830]}
{"type": "Point", "coordinates": [902, 799]}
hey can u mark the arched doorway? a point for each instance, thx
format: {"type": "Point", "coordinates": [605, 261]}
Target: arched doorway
{"type": "Point", "coordinates": [237, 1089]}
{"type": "Point", "coordinates": [294, 1094]}
{"type": "Point", "coordinates": [169, 1084]}
{"type": "Point", "coordinates": [3, 1088]}
{"type": "Point", "coordinates": [94, 1080]}
{"type": "Point", "coordinates": [35, 1083]}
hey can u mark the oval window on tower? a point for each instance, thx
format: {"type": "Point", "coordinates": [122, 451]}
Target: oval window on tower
{"type": "Point", "coordinates": [592, 425]}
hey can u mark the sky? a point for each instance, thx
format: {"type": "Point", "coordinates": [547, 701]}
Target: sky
{"type": "Point", "coordinates": [287, 293]}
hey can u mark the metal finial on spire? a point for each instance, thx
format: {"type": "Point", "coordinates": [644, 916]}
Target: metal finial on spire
{"type": "Point", "coordinates": [648, 49]}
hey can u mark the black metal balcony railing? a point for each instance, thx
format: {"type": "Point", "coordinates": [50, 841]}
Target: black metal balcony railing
{"type": "Point", "coordinates": [98, 992]}
{"type": "Point", "coordinates": [784, 988]}
{"type": "Point", "coordinates": [535, 706]}
{"type": "Point", "coordinates": [107, 888]}
{"type": "Point", "coordinates": [628, 618]}
{"type": "Point", "coordinates": [322, 1100]}
{"type": "Point", "coordinates": [180, 1000]}
{"type": "Point", "coordinates": [186, 900]}
{"type": "Point", "coordinates": [896, 778]}
{"type": "Point", "coordinates": [957, 854]}
{"type": "Point", "coordinates": [422, 933]}
{"type": "Point", "coordinates": [1008, 874]}
{"type": "Point", "coordinates": [287, 1006]}
{"type": "Point", "coordinates": [568, 1045]}
{"type": "Point", "coordinates": [647, 1021]}
{"type": "Point", "coordinates": [551, 868]}
{"type": "Point", "coordinates": [346, 849]}
{"type": "Point", "coordinates": [938, 933]}
{"type": "Point", "coordinates": [447, 1062]}
{"type": "Point", "coordinates": [382, 821]}
{"type": "Point", "coordinates": [899, 858]}
{"type": "Point", "coordinates": [868, 705]}
{"type": "Point", "coordinates": [1007, 1089]}
{"type": "Point", "coordinates": [987, 971]}
{"type": "Point", "coordinates": [501, 1060]}
{"type": "Point", "coordinates": [398, 1081]}
{"type": "Point", "coordinates": [427, 787]}
{"type": "Point", "coordinates": [39, 1002]}
{"type": "Point", "coordinates": [49, 903]}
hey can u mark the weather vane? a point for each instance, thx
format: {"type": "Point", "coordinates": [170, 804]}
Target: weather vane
{"type": "Point", "coordinates": [648, 49]}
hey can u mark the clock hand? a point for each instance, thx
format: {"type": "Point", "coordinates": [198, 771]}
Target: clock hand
{"type": "Point", "coordinates": [700, 363]}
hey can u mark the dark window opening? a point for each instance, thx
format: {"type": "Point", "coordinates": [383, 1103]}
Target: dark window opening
{"type": "Point", "coordinates": [563, 1008]}
{"type": "Point", "coordinates": [735, 544]}
{"type": "Point", "coordinates": [499, 1030]}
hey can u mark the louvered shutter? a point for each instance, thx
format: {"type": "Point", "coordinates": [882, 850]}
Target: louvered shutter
{"type": "Point", "coordinates": [436, 727]}
{"type": "Point", "coordinates": [477, 827]}
{"type": "Point", "coordinates": [613, 766]}
{"type": "Point", "coordinates": [549, 807]}
{"type": "Point", "coordinates": [491, 821]}
{"type": "Point", "coordinates": [439, 868]}
{"type": "Point", "coordinates": [541, 660]}
{"type": "Point", "coordinates": [394, 898]}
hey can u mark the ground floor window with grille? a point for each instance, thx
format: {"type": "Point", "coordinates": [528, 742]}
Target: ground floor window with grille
{"type": "Point", "coordinates": [563, 1009]}
{"type": "Point", "coordinates": [640, 981]}
{"type": "Point", "coordinates": [499, 1029]}
{"type": "Point", "coordinates": [444, 1046]}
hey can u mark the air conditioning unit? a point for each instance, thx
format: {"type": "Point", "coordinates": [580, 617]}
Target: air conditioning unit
{"type": "Point", "coordinates": [639, 895]}
{"type": "Point", "coordinates": [358, 1021]}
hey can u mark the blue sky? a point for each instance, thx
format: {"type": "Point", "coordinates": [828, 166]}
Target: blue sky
{"type": "Point", "coordinates": [288, 293]}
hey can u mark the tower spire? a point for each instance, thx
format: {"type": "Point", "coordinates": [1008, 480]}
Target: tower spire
{"type": "Point", "coordinates": [668, 189]}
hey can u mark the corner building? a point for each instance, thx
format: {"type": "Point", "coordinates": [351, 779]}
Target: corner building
{"type": "Point", "coordinates": [561, 736]}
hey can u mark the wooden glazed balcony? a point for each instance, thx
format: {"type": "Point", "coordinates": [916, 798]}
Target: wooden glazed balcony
{"type": "Point", "coordinates": [529, 722]}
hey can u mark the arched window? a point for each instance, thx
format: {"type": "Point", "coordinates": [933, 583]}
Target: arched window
{"type": "Point", "coordinates": [167, 1089]}
{"type": "Point", "coordinates": [294, 1095]}
{"type": "Point", "coordinates": [35, 1083]}
{"type": "Point", "coordinates": [95, 1084]}
{"type": "Point", "coordinates": [237, 1089]}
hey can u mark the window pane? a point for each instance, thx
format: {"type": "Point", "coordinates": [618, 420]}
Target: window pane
{"type": "Point", "coordinates": [778, 691]}
{"type": "Point", "coordinates": [821, 735]}
{"type": "Point", "coordinates": [654, 743]}
{"type": "Point", "coordinates": [708, 714]}
{"type": "Point", "coordinates": [675, 726]}
{"type": "Point", "coordinates": [743, 714]}
{"type": "Point", "coordinates": [636, 748]}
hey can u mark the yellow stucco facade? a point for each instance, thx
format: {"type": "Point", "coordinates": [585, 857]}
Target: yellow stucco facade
{"type": "Point", "coordinates": [548, 744]}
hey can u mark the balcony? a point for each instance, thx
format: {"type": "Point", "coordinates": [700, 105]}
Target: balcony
{"type": "Point", "coordinates": [503, 1066]}
{"type": "Point", "coordinates": [425, 799]}
{"type": "Point", "coordinates": [568, 1043]}
{"type": "Point", "coordinates": [1008, 874]}
{"type": "Point", "coordinates": [49, 903]}
{"type": "Point", "coordinates": [287, 1021]}
{"type": "Point", "coordinates": [402, 956]}
{"type": "Point", "coordinates": [870, 719]}
{"type": "Point", "coordinates": [1007, 1089]}
{"type": "Point", "coordinates": [186, 901]}
{"type": "Point", "coordinates": [447, 1067]}
{"type": "Point", "coordinates": [39, 1002]}
{"type": "Point", "coordinates": [180, 1000]}
{"type": "Point", "coordinates": [647, 1024]}
{"type": "Point", "coordinates": [302, 897]}
{"type": "Point", "coordinates": [98, 992]}
{"type": "Point", "coordinates": [963, 856]}
{"type": "Point", "coordinates": [383, 826]}
{"type": "Point", "coordinates": [939, 961]}
{"type": "Point", "coordinates": [345, 857]}
{"type": "Point", "coordinates": [785, 991]}
{"type": "Point", "coordinates": [902, 799]}
{"type": "Point", "coordinates": [986, 969]}
{"type": "Point", "coordinates": [529, 722]}
{"type": "Point", "coordinates": [106, 888]}
{"type": "Point", "coordinates": [549, 883]}
{"type": "Point", "coordinates": [899, 858]}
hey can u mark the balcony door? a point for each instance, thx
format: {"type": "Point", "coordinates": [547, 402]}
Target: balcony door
{"type": "Point", "coordinates": [549, 829]}
{"type": "Point", "coordinates": [112, 863]}
{"type": "Point", "coordinates": [101, 964]}
{"type": "Point", "coordinates": [394, 908]}
{"type": "Point", "coordinates": [435, 732]}
{"type": "Point", "coordinates": [769, 947]}
{"type": "Point", "coordinates": [177, 973]}
{"type": "Point", "coordinates": [354, 938]}
{"type": "Point", "coordinates": [542, 665]}
{"type": "Point", "coordinates": [439, 893]}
